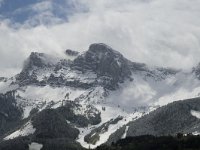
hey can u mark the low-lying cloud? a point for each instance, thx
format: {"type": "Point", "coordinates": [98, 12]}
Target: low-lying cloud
{"type": "Point", "coordinates": [156, 32]}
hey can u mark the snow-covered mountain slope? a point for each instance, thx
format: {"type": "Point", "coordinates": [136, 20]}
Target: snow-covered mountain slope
{"type": "Point", "coordinates": [98, 82]}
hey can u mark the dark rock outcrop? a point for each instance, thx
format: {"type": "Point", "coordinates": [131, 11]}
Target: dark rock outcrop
{"type": "Point", "coordinates": [108, 64]}
{"type": "Point", "coordinates": [70, 52]}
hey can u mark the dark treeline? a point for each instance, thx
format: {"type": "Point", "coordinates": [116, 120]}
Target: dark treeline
{"type": "Point", "coordinates": [146, 142]}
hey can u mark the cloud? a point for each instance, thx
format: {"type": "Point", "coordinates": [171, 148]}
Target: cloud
{"type": "Point", "coordinates": [156, 32]}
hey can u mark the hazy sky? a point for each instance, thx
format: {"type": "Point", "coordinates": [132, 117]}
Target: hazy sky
{"type": "Point", "coordinates": [156, 32]}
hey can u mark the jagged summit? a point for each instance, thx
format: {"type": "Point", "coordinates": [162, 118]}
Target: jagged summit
{"type": "Point", "coordinates": [101, 52]}
{"type": "Point", "coordinates": [41, 59]}
{"type": "Point", "coordinates": [101, 48]}
{"type": "Point", "coordinates": [35, 63]}
{"type": "Point", "coordinates": [70, 52]}
{"type": "Point", "coordinates": [105, 61]}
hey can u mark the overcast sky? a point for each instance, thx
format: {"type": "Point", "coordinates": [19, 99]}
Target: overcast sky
{"type": "Point", "coordinates": [156, 32]}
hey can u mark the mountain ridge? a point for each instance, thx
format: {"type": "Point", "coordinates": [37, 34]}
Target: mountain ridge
{"type": "Point", "coordinates": [95, 87]}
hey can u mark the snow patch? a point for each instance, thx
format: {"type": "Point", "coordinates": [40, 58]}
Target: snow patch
{"type": "Point", "coordinates": [195, 114]}
{"type": "Point", "coordinates": [26, 111]}
{"type": "Point", "coordinates": [196, 133]}
{"type": "Point", "coordinates": [35, 146]}
{"type": "Point", "coordinates": [6, 86]}
{"type": "Point", "coordinates": [125, 132]}
{"type": "Point", "coordinates": [26, 130]}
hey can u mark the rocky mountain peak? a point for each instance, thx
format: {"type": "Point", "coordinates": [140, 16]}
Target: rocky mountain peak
{"type": "Point", "coordinates": [40, 60]}
{"type": "Point", "coordinates": [70, 52]}
{"type": "Point", "coordinates": [35, 59]}
{"type": "Point", "coordinates": [105, 62]}
{"type": "Point", "coordinates": [35, 62]}
{"type": "Point", "coordinates": [101, 48]}
{"type": "Point", "coordinates": [100, 52]}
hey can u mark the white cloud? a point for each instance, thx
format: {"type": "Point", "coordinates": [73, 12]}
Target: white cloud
{"type": "Point", "coordinates": [157, 32]}
{"type": "Point", "coordinates": [42, 6]}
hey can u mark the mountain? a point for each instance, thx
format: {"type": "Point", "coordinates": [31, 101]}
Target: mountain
{"type": "Point", "coordinates": [85, 99]}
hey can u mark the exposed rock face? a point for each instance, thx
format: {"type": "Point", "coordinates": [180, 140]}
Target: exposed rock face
{"type": "Point", "coordinates": [3, 79]}
{"type": "Point", "coordinates": [36, 62]}
{"type": "Point", "coordinates": [196, 71]}
{"type": "Point", "coordinates": [70, 52]}
{"type": "Point", "coordinates": [35, 59]}
{"type": "Point", "coordinates": [108, 64]}
{"type": "Point", "coordinates": [39, 60]}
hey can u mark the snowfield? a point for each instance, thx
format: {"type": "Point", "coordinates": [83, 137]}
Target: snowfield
{"type": "Point", "coordinates": [110, 112]}
{"type": "Point", "coordinates": [41, 97]}
{"type": "Point", "coordinates": [26, 130]}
